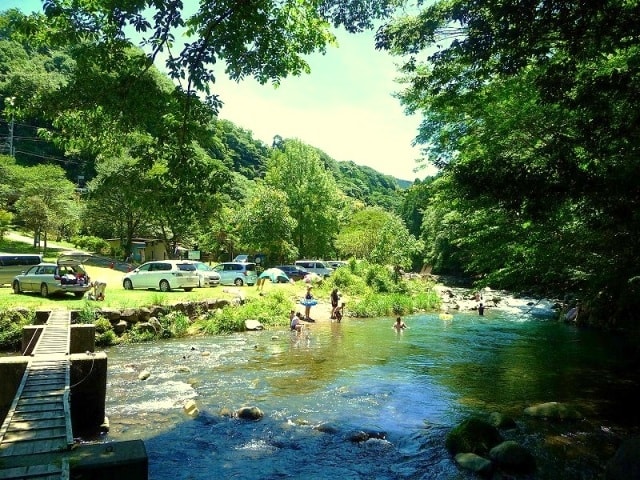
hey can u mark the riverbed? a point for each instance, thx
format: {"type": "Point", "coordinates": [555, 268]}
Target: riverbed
{"type": "Point", "coordinates": [357, 399]}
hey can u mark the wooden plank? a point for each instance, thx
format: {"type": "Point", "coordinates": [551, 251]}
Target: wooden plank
{"type": "Point", "coordinates": [14, 436]}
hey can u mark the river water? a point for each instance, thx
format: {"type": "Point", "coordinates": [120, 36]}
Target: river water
{"type": "Point", "coordinates": [404, 390]}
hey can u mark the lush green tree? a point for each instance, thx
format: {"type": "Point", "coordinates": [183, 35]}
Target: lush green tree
{"type": "Point", "coordinates": [267, 225]}
{"type": "Point", "coordinates": [531, 110]}
{"type": "Point", "coordinates": [45, 196]}
{"type": "Point", "coordinates": [312, 196]}
{"type": "Point", "coordinates": [358, 236]}
{"type": "Point", "coordinates": [5, 222]}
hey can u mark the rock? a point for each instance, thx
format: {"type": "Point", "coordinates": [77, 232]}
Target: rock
{"type": "Point", "coordinates": [327, 428]}
{"type": "Point", "coordinates": [253, 325]}
{"type": "Point", "coordinates": [183, 369]}
{"type": "Point", "coordinates": [501, 421]}
{"type": "Point", "coordinates": [144, 314]}
{"type": "Point", "coordinates": [357, 437]}
{"type": "Point", "coordinates": [112, 314]}
{"type": "Point", "coordinates": [144, 374]}
{"type": "Point", "coordinates": [625, 464]}
{"type": "Point", "coordinates": [146, 327]}
{"type": "Point", "coordinates": [474, 463]}
{"type": "Point", "coordinates": [553, 411]}
{"type": "Point", "coordinates": [191, 408]}
{"type": "Point", "coordinates": [155, 323]}
{"type": "Point", "coordinates": [120, 327]}
{"type": "Point", "coordinates": [513, 458]}
{"type": "Point", "coordinates": [249, 413]}
{"type": "Point", "coordinates": [130, 315]}
{"type": "Point", "coordinates": [473, 435]}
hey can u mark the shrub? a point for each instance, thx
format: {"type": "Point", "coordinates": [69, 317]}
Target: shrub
{"type": "Point", "coordinates": [92, 244]}
{"type": "Point", "coordinates": [270, 310]}
{"type": "Point", "coordinates": [103, 325]}
{"type": "Point", "coordinates": [11, 324]}
{"type": "Point", "coordinates": [107, 339]}
{"type": "Point", "coordinates": [175, 324]}
{"type": "Point", "coordinates": [87, 314]}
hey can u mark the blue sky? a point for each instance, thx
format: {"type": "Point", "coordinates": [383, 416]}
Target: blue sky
{"type": "Point", "coordinates": [344, 106]}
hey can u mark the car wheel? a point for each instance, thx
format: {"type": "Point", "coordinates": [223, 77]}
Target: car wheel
{"type": "Point", "coordinates": [44, 290]}
{"type": "Point", "coordinates": [16, 287]}
{"type": "Point", "coordinates": [127, 284]}
{"type": "Point", "coordinates": [164, 286]}
{"type": "Point", "coordinates": [238, 282]}
{"type": "Point", "coordinates": [188, 289]}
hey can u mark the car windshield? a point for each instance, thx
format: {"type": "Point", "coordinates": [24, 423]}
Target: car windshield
{"type": "Point", "coordinates": [186, 267]}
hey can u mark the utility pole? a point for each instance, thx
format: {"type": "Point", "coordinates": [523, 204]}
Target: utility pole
{"type": "Point", "coordinates": [11, 101]}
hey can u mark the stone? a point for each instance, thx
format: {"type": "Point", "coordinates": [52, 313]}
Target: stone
{"type": "Point", "coordinates": [249, 413]}
{"type": "Point", "coordinates": [191, 408]}
{"type": "Point", "coordinates": [146, 327]}
{"type": "Point", "coordinates": [473, 435]}
{"type": "Point", "coordinates": [144, 314]}
{"type": "Point", "coordinates": [553, 411]}
{"type": "Point", "coordinates": [120, 327]}
{"type": "Point", "coordinates": [501, 421]}
{"type": "Point", "coordinates": [474, 463]}
{"type": "Point", "coordinates": [130, 315]}
{"type": "Point", "coordinates": [144, 374]}
{"type": "Point", "coordinates": [111, 314]}
{"type": "Point", "coordinates": [513, 457]}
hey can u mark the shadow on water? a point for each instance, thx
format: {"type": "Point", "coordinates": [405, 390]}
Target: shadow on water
{"type": "Point", "coordinates": [358, 400]}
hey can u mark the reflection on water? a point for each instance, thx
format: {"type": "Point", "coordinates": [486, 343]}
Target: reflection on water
{"type": "Point", "coordinates": [405, 390]}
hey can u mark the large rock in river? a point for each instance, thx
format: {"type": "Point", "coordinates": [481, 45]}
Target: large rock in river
{"type": "Point", "coordinates": [625, 464]}
{"type": "Point", "coordinates": [512, 457]}
{"type": "Point", "coordinates": [553, 411]}
{"type": "Point", "coordinates": [473, 435]}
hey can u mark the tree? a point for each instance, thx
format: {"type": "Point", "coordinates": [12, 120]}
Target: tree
{"type": "Point", "coordinates": [45, 195]}
{"type": "Point", "coordinates": [312, 196]}
{"type": "Point", "coordinates": [266, 224]}
{"type": "Point", "coordinates": [379, 237]}
{"type": "Point", "coordinates": [531, 111]}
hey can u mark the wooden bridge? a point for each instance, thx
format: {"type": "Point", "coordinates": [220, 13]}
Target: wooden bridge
{"type": "Point", "coordinates": [39, 419]}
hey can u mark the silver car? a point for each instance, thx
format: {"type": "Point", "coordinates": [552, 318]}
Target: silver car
{"type": "Point", "coordinates": [207, 275]}
{"type": "Point", "coordinates": [164, 275]}
{"type": "Point", "coordinates": [66, 276]}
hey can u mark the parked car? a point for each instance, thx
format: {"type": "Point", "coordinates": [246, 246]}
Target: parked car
{"type": "Point", "coordinates": [237, 273]}
{"type": "Point", "coordinates": [164, 275]}
{"type": "Point", "coordinates": [336, 263]}
{"type": "Point", "coordinates": [12, 264]}
{"type": "Point", "coordinates": [315, 266]}
{"type": "Point", "coordinates": [293, 271]}
{"type": "Point", "coordinates": [66, 276]}
{"type": "Point", "coordinates": [258, 258]}
{"type": "Point", "coordinates": [208, 277]}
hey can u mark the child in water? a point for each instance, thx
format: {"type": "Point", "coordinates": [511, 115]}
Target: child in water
{"type": "Point", "coordinates": [399, 325]}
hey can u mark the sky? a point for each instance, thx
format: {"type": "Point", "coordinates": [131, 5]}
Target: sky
{"type": "Point", "coordinates": [345, 106]}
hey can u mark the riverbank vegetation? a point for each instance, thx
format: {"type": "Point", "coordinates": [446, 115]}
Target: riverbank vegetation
{"type": "Point", "coordinates": [536, 142]}
{"type": "Point", "coordinates": [366, 289]}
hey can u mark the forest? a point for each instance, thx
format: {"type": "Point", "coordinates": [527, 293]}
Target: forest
{"type": "Point", "coordinates": [529, 110]}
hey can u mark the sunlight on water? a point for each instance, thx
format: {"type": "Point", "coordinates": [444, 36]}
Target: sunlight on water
{"type": "Point", "coordinates": [355, 400]}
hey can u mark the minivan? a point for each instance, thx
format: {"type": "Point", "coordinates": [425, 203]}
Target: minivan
{"type": "Point", "coordinates": [237, 273]}
{"type": "Point", "coordinates": [315, 266]}
{"type": "Point", "coordinates": [12, 264]}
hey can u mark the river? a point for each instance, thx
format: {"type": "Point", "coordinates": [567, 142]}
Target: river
{"type": "Point", "coordinates": [405, 390]}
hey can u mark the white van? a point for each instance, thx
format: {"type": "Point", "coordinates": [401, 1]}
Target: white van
{"type": "Point", "coordinates": [12, 264]}
{"type": "Point", "coordinates": [315, 266]}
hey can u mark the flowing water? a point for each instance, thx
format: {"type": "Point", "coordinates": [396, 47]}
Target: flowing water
{"type": "Point", "coordinates": [404, 390]}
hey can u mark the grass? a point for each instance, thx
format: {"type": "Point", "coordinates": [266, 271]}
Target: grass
{"type": "Point", "coordinates": [117, 297]}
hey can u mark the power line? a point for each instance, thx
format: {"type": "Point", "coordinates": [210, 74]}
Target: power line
{"type": "Point", "coordinates": [49, 157]}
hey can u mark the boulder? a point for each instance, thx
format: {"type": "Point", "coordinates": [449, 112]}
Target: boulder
{"type": "Point", "coordinates": [501, 421]}
{"type": "Point", "coordinates": [130, 315]}
{"type": "Point", "coordinates": [474, 463]}
{"type": "Point", "coordinates": [553, 411]}
{"type": "Point", "coordinates": [155, 323]}
{"type": "Point", "coordinates": [111, 314]}
{"type": "Point", "coordinates": [625, 464]}
{"type": "Point", "coordinates": [144, 314]}
{"type": "Point", "coordinates": [120, 327]}
{"type": "Point", "coordinates": [146, 327]}
{"type": "Point", "coordinates": [144, 374]}
{"type": "Point", "coordinates": [513, 457]}
{"type": "Point", "coordinates": [249, 413]}
{"type": "Point", "coordinates": [191, 408]}
{"type": "Point", "coordinates": [473, 435]}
